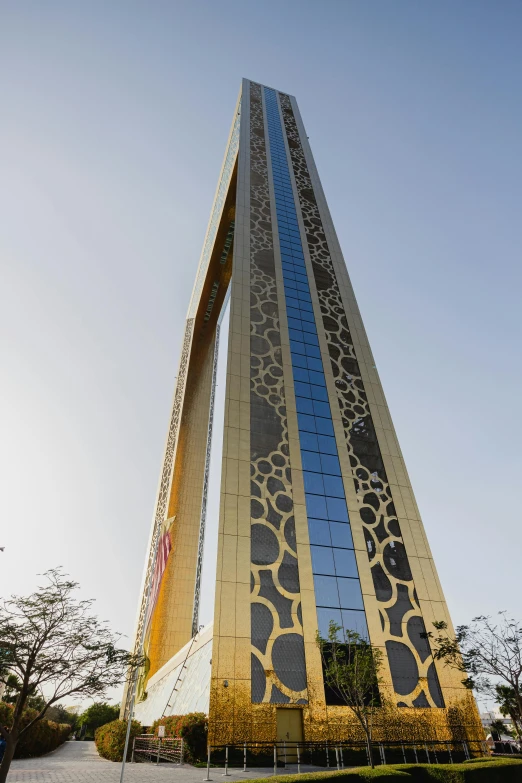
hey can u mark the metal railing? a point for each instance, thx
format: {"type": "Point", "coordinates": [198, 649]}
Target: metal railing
{"type": "Point", "coordinates": [505, 747]}
{"type": "Point", "coordinates": [152, 749]}
{"type": "Point", "coordinates": [339, 754]}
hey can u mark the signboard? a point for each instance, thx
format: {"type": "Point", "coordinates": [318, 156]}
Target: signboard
{"type": "Point", "coordinates": [161, 731]}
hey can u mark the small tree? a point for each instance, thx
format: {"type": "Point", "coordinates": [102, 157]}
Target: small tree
{"type": "Point", "coordinates": [12, 689]}
{"type": "Point", "coordinates": [497, 727]}
{"type": "Point", "coordinates": [56, 648]}
{"type": "Point", "coordinates": [98, 714]}
{"type": "Point", "coordinates": [351, 670]}
{"type": "Point", "coordinates": [483, 650]}
{"type": "Point", "coordinates": [60, 714]}
{"type": "Point", "coordinates": [508, 705]}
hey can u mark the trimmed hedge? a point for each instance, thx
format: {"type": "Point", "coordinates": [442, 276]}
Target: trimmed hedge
{"type": "Point", "coordinates": [192, 727]}
{"type": "Point", "coordinates": [43, 737]}
{"type": "Point", "coordinates": [110, 739]}
{"type": "Point", "coordinates": [172, 725]}
{"type": "Point", "coordinates": [481, 760]}
{"type": "Point", "coordinates": [489, 771]}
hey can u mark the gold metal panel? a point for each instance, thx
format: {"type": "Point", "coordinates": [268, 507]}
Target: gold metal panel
{"type": "Point", "coordinates": [233, 717]}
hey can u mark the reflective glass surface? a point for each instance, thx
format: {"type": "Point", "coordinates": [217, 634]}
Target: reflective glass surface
{"type": "Point", "coordinates": [350, 596]}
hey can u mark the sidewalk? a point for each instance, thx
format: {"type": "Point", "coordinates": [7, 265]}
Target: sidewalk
{"type": "Point", "coordinates": [78, 762]}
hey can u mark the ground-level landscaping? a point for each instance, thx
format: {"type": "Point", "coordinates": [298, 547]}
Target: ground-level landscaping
{"type": "Point", "coordinates": [474, 771]}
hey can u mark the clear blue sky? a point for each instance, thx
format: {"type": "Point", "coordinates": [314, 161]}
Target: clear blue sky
{"type": "Point", "coordinates": [114, 121]}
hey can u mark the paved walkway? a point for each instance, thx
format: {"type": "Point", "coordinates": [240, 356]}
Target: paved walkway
{"type": "Point", "coordinates": [78, 762]}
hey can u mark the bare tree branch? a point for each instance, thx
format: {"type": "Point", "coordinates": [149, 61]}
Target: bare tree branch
{"type": "Point", "coordinates": [483, 650]}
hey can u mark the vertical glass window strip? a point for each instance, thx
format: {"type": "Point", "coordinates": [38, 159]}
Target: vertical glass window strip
{"type": "Point", "coordinates": [336, 580]}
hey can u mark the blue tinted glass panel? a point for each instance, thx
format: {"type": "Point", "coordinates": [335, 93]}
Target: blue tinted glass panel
{"type": "Point", "coordinates": [341, 535]}
{"type": "Point", "coordinates": [302, 389]}
{"type": "Point", "coordinates": [311, 339]}
{"type": "Point", "coordinates": [330, 464]}
{"type": "Point", "coordinates": [297, 347]}
{"type": "Point", "coordinates": [299, 361]}
{"type": "Point", "coordinates": [317, 378]}
{"type": "Point", "coordinates": [308, 441]}
{"type": "Point", "coordinates": [345, 564]}
{"type": "Point", "coordinates": [326, 444]}
{"type": "Point", "coordinates": [306, 316]}
{"type": "Point", "coordinates": [322, 560]}
{"type": "Point", "coordinates": [316, 506]}
{"type": "Point", "coordinates": [303, 405]}
{"type": "Point", "coordinates": [311, 461]}
{"type": "Point", "coordinates": [306, 423]}
{"type": "Point", "coordinates": [350, 593]}
{"type": "Point", "coordinates": [355, 621]}
{"type": "Point", "coordinates": [319, 532]}
{"type": "Point", "coordinates": [326, 593]}
{"type": "Point", "coordinates": [313, 482]}
{"type": "Point", "coordinates": [295, 334]}
{"type": "Point", "coordinates": [312, 363]}
{"type": "Point", "coordinates": [320, 394]}
{"type": "Point", "coordinates": [321, 408]}
{"type": "Point", "coordinates": [333, 485]}
{"type": "Point", "coordinates": [324, 618]}
{"type": "Point", "coordinates": [337, 510]}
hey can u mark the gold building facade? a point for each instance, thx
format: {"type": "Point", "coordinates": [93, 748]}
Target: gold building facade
{"type": "Point", "coordinates": [318, 520]}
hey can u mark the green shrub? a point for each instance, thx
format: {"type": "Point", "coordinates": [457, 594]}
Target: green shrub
{"type": "Point", "coordinates": [6, 713]}
{"type": "Point", "coordinates": [172, 725]}
{"type": "Point", "coordinates": [43, 736]}
{"type": "Point", "coordinates": [482, 759]}
{"type": "Point", "coordinates": [110, 739]}
{"type": "Point", "coordinates": [193, 729]}
{"type": "Point", "coordinates": [497, 771]}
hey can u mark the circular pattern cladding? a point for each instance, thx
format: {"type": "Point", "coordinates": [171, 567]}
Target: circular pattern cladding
{"type": "Point", "coordinates": [393, 582]}
{"type": "Point", "coordinates": [275, 599]}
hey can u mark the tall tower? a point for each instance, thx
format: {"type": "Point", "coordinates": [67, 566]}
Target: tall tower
{"type": "Point", "coordinates": [318, 521]}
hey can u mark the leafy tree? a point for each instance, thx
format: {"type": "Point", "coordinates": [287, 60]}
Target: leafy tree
{"type": "Point", "coordinates": [483, 650]}
{"type": "Point", "coordinates": [508, 705]}
{"type": "Point", "coordinates": [12, 688]}
{"type": "Point", "coordinates": [98, 714]}
{"type": "Point", "coordinates": [497, 727]}
{"type": "Point", "coordinates": [56, 648]}
{"type": "Point", "coordinates": [351, 670]}
{"type": "Point", "coordinates": [60, 714]}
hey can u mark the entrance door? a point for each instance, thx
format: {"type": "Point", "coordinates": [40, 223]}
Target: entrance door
{"type": "Point", "coordinates": [289, 732]}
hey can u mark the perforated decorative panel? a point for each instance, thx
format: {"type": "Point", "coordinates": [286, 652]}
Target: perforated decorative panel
{"type": "Point", "coordinates": [411, 663]}
{"type": "Point", "coordinates": [278, 662]}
